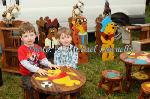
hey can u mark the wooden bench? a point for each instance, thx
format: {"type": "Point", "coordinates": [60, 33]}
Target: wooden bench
{"type": "Point", "coordinates": [138, 45]}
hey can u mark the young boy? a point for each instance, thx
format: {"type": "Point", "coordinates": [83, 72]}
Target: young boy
{"type": "Point", "coordinates": [67, 54]}
{"type": "Point", "coordinates": [30, 56]}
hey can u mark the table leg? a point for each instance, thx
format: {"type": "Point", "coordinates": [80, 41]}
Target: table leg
{"type": "Point", "coordinates": [128, 77]}
{"type": "Point", "coordinates": [74, 95]}
{"type": "Point", "coordinates": [67, 96]}
{"type": "Point", "coordinates": [36, 94]}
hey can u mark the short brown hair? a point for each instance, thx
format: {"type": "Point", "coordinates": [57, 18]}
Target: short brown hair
{"type": "Point", "coordinates": [25, 27]}
{"type": "Point", "coordinates": [63, 30]}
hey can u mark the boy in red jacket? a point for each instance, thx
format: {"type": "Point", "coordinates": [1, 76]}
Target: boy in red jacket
{"type": "Point", "coordinates": [31, 56]}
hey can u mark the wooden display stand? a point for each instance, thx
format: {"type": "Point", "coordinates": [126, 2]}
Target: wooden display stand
{"type": "Point", "coordinates": [10, 41]}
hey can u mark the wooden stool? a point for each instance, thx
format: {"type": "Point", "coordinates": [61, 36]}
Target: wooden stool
{"type": "Point", "coordinates": [27, 94]}
{"type": "Point", "coordinates": [145, 90]}
{"type": "Point", "coordinates": [111, 81]}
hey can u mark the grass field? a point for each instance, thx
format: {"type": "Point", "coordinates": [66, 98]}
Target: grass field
{"type": "Point", "coordinates": [11, 87]}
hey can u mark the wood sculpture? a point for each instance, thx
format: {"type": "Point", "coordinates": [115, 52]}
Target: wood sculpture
{"type": "Point", "coordinates": [41, 29]}
{"type": "Point", "coordinates": [107, 37]}
{"type": "Point", "coordinates": [51, 43]}
{"type": "Point", "coordinates": [105, 31]}
{"type": "Point", "coordinates": [98, 34]}
{"type": "Point", "coordinates": [78, 25]}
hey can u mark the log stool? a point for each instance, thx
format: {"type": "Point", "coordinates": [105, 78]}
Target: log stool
{"type": "Point", "coordinates": [27, 94]}
{"type": "Point", "coordinates": [111, 81]}
{"type": "Point", "coordinates": [145, 90]}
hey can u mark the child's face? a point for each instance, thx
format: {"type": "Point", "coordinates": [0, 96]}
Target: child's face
{"type": "Point", "coordinates": [65, 40]}
{"type": "Point", "coordinates": [28, 38]}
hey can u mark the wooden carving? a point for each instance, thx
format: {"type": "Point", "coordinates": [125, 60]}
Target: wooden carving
{"type": "Point", "coordinates": [51, 43]}
{"type": "Point", "coordinates": [98, 33]}
{"type": "Point", "coordinates": [107, 38]}
{"type": "Point", "coordinates": [80, 37]}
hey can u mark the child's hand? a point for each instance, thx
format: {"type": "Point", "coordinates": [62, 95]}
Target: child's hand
{"type": "Point", "coordinates": [54, 66]}
{"type": "Point", "coordinates": [68, 66]}
{"type": "Point", "coordinates": [42, 72]}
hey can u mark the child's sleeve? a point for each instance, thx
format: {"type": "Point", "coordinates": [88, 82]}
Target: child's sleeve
{"type": "Point", "coordinates": [45, 62]}
{"type": "Point", "coordinates": [27, 65]}
{"type": "Point", "coordinates": [57, 58]}
{"type": "Point", "coordinates": [23, 60]}
{"type": "Point", "coordinates": [75, 57]}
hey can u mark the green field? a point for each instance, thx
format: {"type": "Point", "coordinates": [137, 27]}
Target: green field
{"type": "Point", "coordinates": [11, 87]}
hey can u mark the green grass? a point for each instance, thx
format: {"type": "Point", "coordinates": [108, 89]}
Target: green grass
{"type": "Point", "coordinates": [11, 88]}
{"type": "Point", "coordinates": [148, 14]}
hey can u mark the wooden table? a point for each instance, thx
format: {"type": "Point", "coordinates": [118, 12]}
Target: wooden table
{"type": "Point", "coordinates": [134, 59]}
{"type": "Point", "coordinates": [60, 89]}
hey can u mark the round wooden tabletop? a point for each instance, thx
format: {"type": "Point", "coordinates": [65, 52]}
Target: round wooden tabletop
{"type": "Point", "coordinates": [136, 58]}
{"type": "Point", "coordinates": [59, 83]}
{"type": "Point", "coordinates": [112, 74]}
{"type": "Point", "coordinates": [146, 87]}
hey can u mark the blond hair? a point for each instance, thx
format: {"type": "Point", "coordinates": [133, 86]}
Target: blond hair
{"type": "Point", "coordinates": [63, 30]}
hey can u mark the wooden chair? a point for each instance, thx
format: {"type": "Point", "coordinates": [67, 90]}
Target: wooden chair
{"type": "Point", "coordinates": [111, 81]}
{"type": "Point", "coordinates": [144, 91]}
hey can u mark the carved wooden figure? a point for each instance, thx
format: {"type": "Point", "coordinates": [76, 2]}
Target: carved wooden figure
{"type": "Point", "coordinates": [80, 37]}
{"type": "Point", "coordinates": [107, 38]}
{"type": "Point", "coordinates": [41, 29]}
{"type": "Point", "coordinates": [98, 33]}
{"type": "Point", "coordinates": [51, 42]}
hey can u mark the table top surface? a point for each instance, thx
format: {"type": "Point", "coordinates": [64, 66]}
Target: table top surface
{"type": "Point", "coordinates": [60, 81]}
{"type": "Point", "coordinates": [112, 74]}
{"type": "Point", "coordinates": [146, 86]}
{"type": "Point", "coordinates": [136, 58]}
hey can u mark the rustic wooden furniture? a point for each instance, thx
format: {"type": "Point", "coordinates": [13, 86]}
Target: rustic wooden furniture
{"type": "Point", "coordinates": [10, 41]}
{"type": "Point", "coordinates": [27, 94]}
{"type": "Point", "coordinates": [57, 89]}
{"type": "Point", "coordinates": [111, 81]}
{"type": "Point", "coordinates": [137, 59]}
{"type": "Point", "coordinates": [139, 45]}
{"type": "Point", "coordinates": [144, 36]}
{"type": "Point", "coordinates": [145, 90]}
